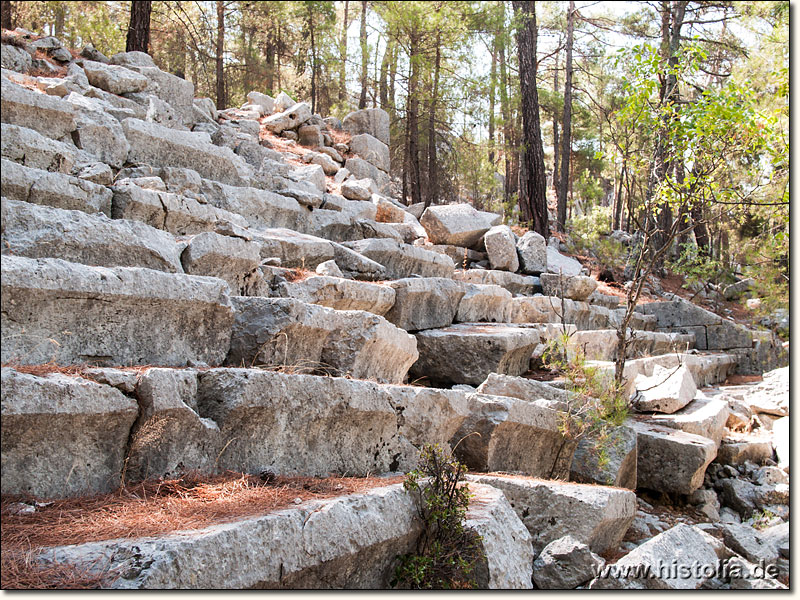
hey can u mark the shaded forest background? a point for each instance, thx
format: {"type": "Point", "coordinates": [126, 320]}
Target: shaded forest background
{"type": "Point", "coordinates": [668, 115]}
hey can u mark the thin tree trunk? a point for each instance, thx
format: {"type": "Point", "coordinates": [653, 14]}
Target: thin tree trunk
{"type": "Point", "coordinates": [362, 101]}
{"type": "Point", "coordinates": [413, 120]}
{"type": "Point", "coordinates": [6, 19]}
{"type": "Point", "coordinates": [504, 110]}
{"type": "Point", "coordinates": [139, 27]}
{"type": "Point", "coordinates": [618, 202]}
{"type": "Point", "coordinates": [532, 193]}
{"type": "Point", "coordinates": [383, 83]}
{"type": "Point", "coordinates": [343, 57]}
{"type": "Point", "coordinates": [221, 102]}
{"type": "Point", "coordinates": [556, 180]}
{"type": "Point", "coordinates": [433, 182]}
{"type": "Point", "coordinates": [566, 148]}
{"type": "Point", "coordinates": [492, 93]}
{"type": "Point", "coordinates": [313, 60]}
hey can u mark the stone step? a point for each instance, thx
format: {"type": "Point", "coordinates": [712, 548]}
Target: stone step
{"type": "Point", "coordinates": [259, 208]}
{"type": "Point", "coordinates": [585, 316]}
{"type": "Point", "coordinates": [48, 115]}
{"type": "Point", "coordinates": [597, 516]}
{"type": "Point", "coordinates": [36, 231]}
{"type": "Point", "coordinates": [339, 293]}
{"type": "Point", "coordinates": [468, 352]}
{"type": "Point", "coordinates": [424, 302]}
{"type": "Point", "coordinates": [403, 260]}
{"type": "Point", "coordinates": [513, 282]}
{"type": "Point", "coordinates": [602, 344]}
{"type": "Point", "coordinates": [703, 416]}
{"type": "Point", "coordinates": [308, 338]}
{"type": "Point", "coordinates": [484, 303]}
{"type": "Point", "coordinates": [67, 313]}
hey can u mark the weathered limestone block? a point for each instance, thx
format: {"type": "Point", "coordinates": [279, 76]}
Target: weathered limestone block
{"type": "Point", "coordinates": [457, 224]}
{"type": "Point", "coordinates": [361, 169]}
{"type": "Point", "coordinates": [98, 132]}
{"type": "Point", "coordinates": [741, 448]}
{"type": "Point", "coordinates": [302, 337]}
{"type": "Point", "coordinates": [513, 282]}
{"type": "Point", "coordinates": [62, 436]}
{"type": "Point", "coordinates": [671, 460]}
{"type": "Point", "coordinates": [602, 344]}
{"type": "Point", "coordinates": [424, 303]}
{"type": "Point", "coordinates": [293, 248]}
{"type": "Point", "coordinates": [311, 174]}
{"type": "Point", "coordinates": [665, 391]}
{"type": "Point", "coordinates": [505, 541]}
{"type": "Point", "coordinates": [387, 211]}
{"type": "Point", "coordinates": [53, 189]}
{"type": "Point", "coordinates": [489, 303]}
{"type": "Point", "coordinates": [232, 259]}
{"type": "Point", "coordinates": [467, 353]}
{"type": "Point", "coordinates": [15, 59]}
{"type": "Point", "coordinates": [427, 416]}
{"type": "Point", "coordinates": [678, 313]}
{"type": "Point", "coordinates": [304, 424]}
{"type": "Point", "coordinates": [532, 250]}
{"type": "Point", "coordinates": [611, 461]}
{"type": "Point", "coordinates": [565, 564]}
{"type": "Point", "coordinates": [329, 166]}
{"type": "Point", "coordinates": [291, 118]}
{"type": "Point", "coordinates": [497, 384]}
{"type": "Point", "coordinates": [502, 249]}
{"type": "Point", "coordinates": [560, 264]}
{"type": "Point", "coordinates": [702, 416]}
{"type": "Point", "coordinates": [536, 309]}
{"type": "Point", "coordinates": [371, 149]}
{"type": "Point", "coordinates": [727, 335]}
{"type": "Point", "coordinates": [597, 516]}
{"type": "Point", "coordinates": [154, 144]}
{"type": "Point", "coordinates": [341, 294]}
{"type": "Point", "coordinates": [266, 102]}
{"type": "Point", "coordinates": [37, 231]}
{"type": "Point", "coordinates": [402, 260]}
{"type": "Point", "coordinates": [180, 215]}
{"type": "Point", "coordinates": [513, 435]}
{"type": "Point", "coordinates": [347, 542]}
{"type": "Point", "coordinates": [462, 257]}
{"type": "Point", "coordinates": [31, 149]}
{"type": "Point", "coordinates": [115, 79]}
{"type": "Point", "coordinates": [681, 558]}
{"type": "Point", "coordinates": [575, 287]}
{"type": "Point", "coordinates": [374, 121]}
{"type": "Point", "coordinates": [48, 115]}
{"type": "Point", "coordinates": [118, 316]}
{"type": "Point", "coordinates": [357, 189]}
{"type": "Point", "coordinates": [175, 91]}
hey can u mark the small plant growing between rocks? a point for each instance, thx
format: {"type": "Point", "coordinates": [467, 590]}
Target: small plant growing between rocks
{"type": "Point", "coordinates": [447, 553]}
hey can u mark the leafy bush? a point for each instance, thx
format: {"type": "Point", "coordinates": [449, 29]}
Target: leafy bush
{"type": "Point", "coordinates": [589, 234]}
{"type": "Point", "coordinates": [447, 553]}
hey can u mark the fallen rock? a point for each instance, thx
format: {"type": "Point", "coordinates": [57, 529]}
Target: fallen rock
{"type": "Point", "coordinates": [291, 118]}
{"type": "Point", "coordinates": [744, 575]}
{"type": "Point", "coordinates": [267, 103]}
{"type": "Point", "coordinates": [665, 391]}
{"type": "Point", "coordinates": [357, 189]}
{"type": "Point", "coordinates": [258, 208]}
{"type": "Point", "coordinates": [115, 79]}
{"type": "Point", "coordinates": [487, 303]}
{"type": "Point", "coordinates": [50, 116]}
{"type": "Point", "coordinates": [97, 132]}
{"type": "Point", "coordinates": [457, 224]}
{"type": "Point", "coordinates": [513, 282]}
{"type": "Point", "coordinates": [597, 516]}
{"type": "Point", "coordinates": [374, 121]}
{"type": "Point", "coordinates": [121, 315]}
{"type": "Point", "coordinates": [576, 287]}
{"type": "Point", "coordinates": [31, 149]}
{"type": "Point", "coordinates": [747, 542]}
{"type": "Point", "coordinates": [232, 259]}
{"type": "Point", "coordinates": [361, 169]}
{"type": "Point", "coordinates": [670, 460]}
{"type": "Point", "coordinates": [532, 250]}
{"type": "Point", "coordinates": [402, 260]}
{"type": "Point", "coordinates": [424, 302]}
{"type": "Point", "coordinates": [737, 450]}
{"type": "Point", "coordinates": [608, 461]}
{"type": "Point", "coordinates": [467, 353]}
{"type": "Point", "coordinates": [341, 294]}
{"type": "Point", "coordinates": [564, 564]}
{"type": "Point", "coordinates": [705, 417]}
{"type": "Point", "coordinates": [62, 435]}
{"type": "Point", "coordinates": [560, 264]}
{"type": "Point", "coordinates": [501, 248]}
{"type": "Point", "coordinates": [371, 149]}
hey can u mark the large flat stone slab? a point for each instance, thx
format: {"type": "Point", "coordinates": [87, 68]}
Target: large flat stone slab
{"type": "Point", "coordinates": [484, 303]}
{"type": "Point", "coordinates": [702, 416]}
{"type": "Point", "coordinates": [300, 337]}
{"type": "Point", "coordinates": [457, 224]}
{"type": "Point", "coordinates": [513, 282]}
{"type": "Point", "coordinates": [608, 460]}
{"type": "Point", "coordinates": [601, 344]}
{"type": "Point", "coordinates": [48, 115]}
{"type": "Point", "coordinates": [402, 260]}
{"type": "Point", "coordinates": [341, 294]}
{"type": "Point", "coordinates": [31, 149]}
{"type": "Point", "coordinates": [62, 436]}
{"type": "Point", "coordinates": [231, 259]}
{"type": "Point", "coordinates": [597, 516]}
{"type": "Point", "coordinates": [68, 313]}
{"type": "Point", "coordinates": [294, 249]}
{"type": "Point", "coordinates": [665, 391]}
{"type": "Point", "coordinates": [468, 352]}
{"type": "Point", "coordinates": [37, 231]}
{"type": "Point", "coordinates": [424, 302]}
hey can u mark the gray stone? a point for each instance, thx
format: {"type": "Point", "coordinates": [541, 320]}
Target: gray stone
{"type": "Point", "coordinates": [374, 121]}
{"type": "Point", "coordinates": [457, 224]}
{"type": "Point", "coordinates": [745, 575]}
{"type": "Point", "coordinates": [207, 108]}
{"type": "Point", "coordinates": [513, 282]}
{"type": "Point", "coordinates": [14, 58]}
{"type": "Point", "coordinates": [31, 149]}
{"type": "Point", "coordinates": [356, 189]}
{"type": "Point", "coordinates": [231, 259]}
{"type": "Point", "coordinates": [341, 294]}
{"type": "Point", "coordinates": [313, 174]}
{"type": "Point", "coordinates": [670, 460]}
{"type": "Point", "coordinates": [133, 59]}
{"type": "Point", "coordinates": [259, 208]}
{"type": "Point", "coordinates": [283, 101]}
{"type": "Point", "coordinates": [402, 260]}
{"type": "Point", "coordinates": [44, 232]}
{"type": "Point", "coordinates": [329, 166]}
{"type": "Point", "coordinates": [48, 115]}
{"type": "Point", "coordinates": [497, 384]}
{"type": "Point", "coordinates": [267, 103]}
{"type": "Point", "coordinates": [611, 460]}
{"type": "Point", "coordinates": [329, 268]}
{"type": "Point", "coordinates": [99, 173]}
{"type": "Point", "coordinates": [467, 353]}
{"type": "Point", "coordinates": [508, 434]}
{"type": "Point", "coordinates": [665, 391]}
{"type": "Point", "coordinates": [97, 132]}
{"type": "Point", "coordinates": [153, 144]}
{"type": "Point", "coordinates": [740, 495]}
{"type": "Point", "coordinates": [424, 303]}
{"type": "Point", "coordinates": [311, 136]}
{"type": "Point", "coordinates": [735, 290]}
{"type": "Point", "coordinates": [361, 169]}
{"type": "Point", "coordinates": [532, 251]}
{"type": "Point", "coordinates": [371, 149]}
{"type": "Point", "coordinates": [702, 416]}
{"type": "Point", "coordinates": [740, 449]}
{"type": "Point", "coordinates": [597, 516]}
{"type": "Point", "coordinates": [356, 265]}
{"type": "Point", "coordinates": [678, 313]}
{"type": "Point", "coordinates": [62, 435]}
{"type": "Point", "coordinates": [291, 118]}
{"type": "Point", "coordinates": [747, 542]}
{"type": "Point", "coordinates": [560, 264]}
{"type": "Point", "coordinates": [501, 248]}
{"type": "Point", "coordinates": [294, 249]}
{"type": "Point", "coordinates": [121, 316]}
{"type": "Point", "coordinates": [53, 189]}
{"type": "Point", "coordinates": [115, 79]}
{"type": "Point", "coordinates": [489, 303]}
{"type": "Point", "coordinates": [576, 287]}
{"type": "Point", "coordinates": [505, 542]}
{"type": "Point", "coordinates": [300, 337]}
{"type": "Point", "coordinates": [564, 564]}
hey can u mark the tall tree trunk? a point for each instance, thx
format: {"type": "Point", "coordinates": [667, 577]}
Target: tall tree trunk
{"type": "Point", "coordinates": [269, 53]}
{"type": "Point", "coordinates": [343, 57]}
{"type": "Point", "coordinates": [492, 93]}
{"type": "Point", "coordinates": [139, 27]}
{"type": "Point", "coordinates": [532, 193]}
{"type": "Point", "coordinates": [6, 19]}
{"type": "Point", "coordinates": [313, 59]}
{"type": "Point", "coordinates": [221, 102]}
{"type": "Point", "coordinates": [412, 119]}
{"type": "Point", "coordinates": [504, 108]}
{"type": "Point", "coordinates": [362, 101]}
{"type": "Point", "coordinates": [383, 84]}
{"type": "Point", "coordinates": [556, 180]}
{"type": "Point", "coordinates": [60, 14]}
{"type": "Point", "coordinates": [433, 182]}
{"type": "Point", "coordinates": [618, 202]}
{"type": "Point", "coordinates": [566, 148]}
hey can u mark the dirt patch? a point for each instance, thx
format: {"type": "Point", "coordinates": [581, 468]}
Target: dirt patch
{"type": "Point", "coordinates": [742, 379]}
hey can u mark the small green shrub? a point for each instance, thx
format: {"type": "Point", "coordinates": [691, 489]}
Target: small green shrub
{"type": "Point", "coordinates": [447, 553]}
{"type": "Point", "coordinates": [589, 234]}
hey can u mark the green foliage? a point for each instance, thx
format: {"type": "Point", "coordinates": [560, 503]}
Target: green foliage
{"type": "Point", "coordinates": [699, 269]}
{"type": "Point", "coordinates": [447, 553]}
{"type": "Point", "coordinates": [589, 233]}
{"type": "Point", "coordinates": [761, 519]}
